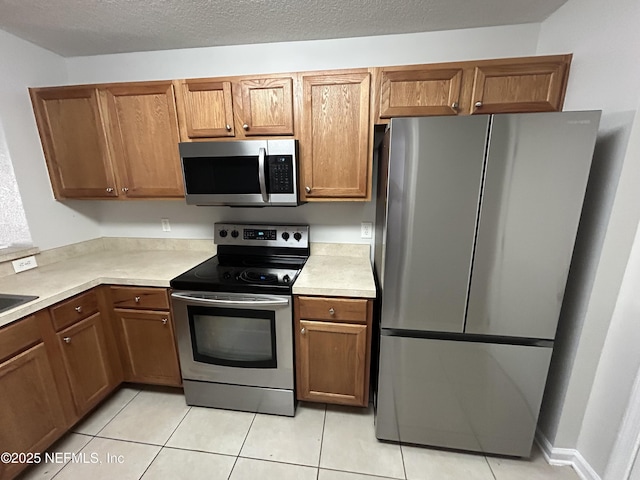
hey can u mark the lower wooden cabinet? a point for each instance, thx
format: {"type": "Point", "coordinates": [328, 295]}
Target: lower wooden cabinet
{"type": "Point", "coordinates": [84, 351]}
{"type": "Point", "coordinates": [146, 340]}
{"type": "Point", "coordinates": [31, 416]}
{"type": "Point", "coordinates": [333, 349]}
{"type": "Point", "coordinates": [148, 347]}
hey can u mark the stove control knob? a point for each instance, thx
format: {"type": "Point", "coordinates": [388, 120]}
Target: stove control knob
{"type": "Point", "coordinates": [223, 233]}
{"type": "Point", "coordinates": [234, 233]}
{"type": "Point", "coordinates": [285, 236]}
{"type": "Point", "coordinates": [286, 279]}
{"type": "Point", "coordinates": [297, 236]}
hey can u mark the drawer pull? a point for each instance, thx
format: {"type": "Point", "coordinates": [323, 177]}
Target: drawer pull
{"type": "Point", "coordinates": [78, 309]}
{"type": "Point", "coordinates": [332, 311]}
{"type": "Point", "coordinates": [137, 299]}
{"type": "Point", "coordinates": [67, 339]}
{"type": "Point", "coordinates": [164, 321]}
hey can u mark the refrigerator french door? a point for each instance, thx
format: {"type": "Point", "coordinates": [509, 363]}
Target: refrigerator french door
{"type": "Point", "coordinates": [480, 216]}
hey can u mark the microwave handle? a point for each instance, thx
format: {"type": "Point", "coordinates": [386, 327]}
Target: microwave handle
{"type": "Point", "coordinates": [261, 175]}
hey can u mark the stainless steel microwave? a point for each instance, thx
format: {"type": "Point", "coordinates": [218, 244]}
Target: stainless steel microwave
{"type": "Point", "coordinates": [242, 173]}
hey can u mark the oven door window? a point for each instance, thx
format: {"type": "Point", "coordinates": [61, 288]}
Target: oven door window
{"type": "Point", "coordinates": [233, 337]}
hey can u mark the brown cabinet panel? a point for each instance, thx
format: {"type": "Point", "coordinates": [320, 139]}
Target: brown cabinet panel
{"type": "Point", "coordinates": [149, 347]}
{"type": "Point", "coordinates": [86, 359]}
{"type": "Point", "coordinates": [140, 297]}
{"type": "Point", "coordinates": [419, 92]}
{"type": "Point", "coordinates": [144, 132]}
{"type": "Point", "coordinates": [205, 107]}
{"type": "Point", "coordinates": [70, 311]}
{"type": "Point", "coordinates": [74, 142]}
{"type": "Point", "coordinates": [19, 336]}
{"type": "Point", "coordinates": [524, 85]}
{"type": "Point", "coordinates": [267, 106]}
{"type": "Point", "coordinates": [335, 148]}
{"type": "Point", "coordinates": [334, 309]}
{"type": "Point", "coordinates": [30, 411]}
{"type": "Point", "coordinates": [332, 362]}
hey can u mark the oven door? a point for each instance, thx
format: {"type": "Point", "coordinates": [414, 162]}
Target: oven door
{"type": "Point", "coordinates": [239, 339]}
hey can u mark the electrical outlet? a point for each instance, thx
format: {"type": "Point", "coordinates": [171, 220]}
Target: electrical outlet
{"type": "Point", "coordinates": [26, 263]}
{"type": "Point", "coordinates": [365, 229]}
{"type": "Point", "coordinates": [166, 226]}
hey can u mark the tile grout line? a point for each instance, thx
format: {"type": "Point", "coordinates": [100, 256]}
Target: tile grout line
{"type": "Point", "coordinates": [242, 446]}
{"type": "Point", "coordinates": [493, 474]}
{"type": "Point", "coordinates": [324, 422]}
{"type": "Point", "coordinates": [83, 447]}
{"type": "Point", "coordinates": [114, 416]}
{"type": "Point", "coordinates": [404, 467]}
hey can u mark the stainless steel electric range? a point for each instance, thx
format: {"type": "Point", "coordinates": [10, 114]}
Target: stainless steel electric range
{"type": "Point", "coordinates": [234, 319]}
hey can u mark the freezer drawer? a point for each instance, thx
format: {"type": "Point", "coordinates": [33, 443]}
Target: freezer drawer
{"type": "Point", "coordinates": [483, 397]}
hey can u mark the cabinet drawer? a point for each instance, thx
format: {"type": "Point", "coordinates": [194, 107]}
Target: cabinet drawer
{"type": "Point", "coordinates": [333, 309]}
{"type": "Point", "coordinates": [18, 336]}
{"type": "Point", "coordinates": [77, 308]}
{"type": "Point", "coordinates": [144, 298]}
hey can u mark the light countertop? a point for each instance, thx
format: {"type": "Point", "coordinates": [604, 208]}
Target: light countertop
{"type": "Point", "coordinates": [340, 276]}
{"type": "Point", "coordinates": [59, 281]}
{"type": "Point", "coordinates": [329, 275]}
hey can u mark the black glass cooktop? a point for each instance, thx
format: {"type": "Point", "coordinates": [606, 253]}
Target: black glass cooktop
{"type": "Point", "coordinates": [242, 274]}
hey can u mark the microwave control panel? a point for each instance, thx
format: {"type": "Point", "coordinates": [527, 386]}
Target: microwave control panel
{"type": "Point", "coordinates": [280, 173]}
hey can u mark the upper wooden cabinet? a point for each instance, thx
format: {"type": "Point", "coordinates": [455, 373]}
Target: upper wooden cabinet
{"type": "Point", "coordinates": [106, 141]}
{"type": "Point", "coordinates": [530, 84]}
{"type": "Point", "coordinates": [410, 92]}
{"type": "Point", "coordinates": [144, 131]}
{"type": "Point", "coordinates": [534, 84]}
{"type": "Point", "coordinates": [237, 107]}
{"type": "Point", "coordinates": [335, 148]}
{"type": "Point", "coordinates": [74, 141]}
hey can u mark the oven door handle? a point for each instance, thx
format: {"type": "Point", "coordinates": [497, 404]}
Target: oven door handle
{"type": "Point", "coordinates": [219, 301]}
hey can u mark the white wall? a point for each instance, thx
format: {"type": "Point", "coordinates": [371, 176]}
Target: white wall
{"type": "Point", "coordinates": [51, 223]}
{"type": "Point", "coordinates": [604, 39]}
{"type": "Point", "coordinates": [332, 222]}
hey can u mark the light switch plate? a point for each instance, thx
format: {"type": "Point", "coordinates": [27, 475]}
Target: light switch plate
{"type": "Point", "coordinates": [26, 263]}
{"type": "Point", "coordinates": [166, 226]}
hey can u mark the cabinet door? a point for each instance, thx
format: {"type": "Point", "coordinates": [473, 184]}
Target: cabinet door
{"type": "Point", "coordinates": [523, 85]}
{"type": "Point", "coordinates": [30, 411]}
{"type": "Point", "coordinates": [205, 108]}
{"type": "Point", "coordinates": [420, 92]}
{"type": "Point", "coordinates": [144, 130]}
{"type": "Point", "coordinates": [335, 156]}
{"type": "Point", "coordinates": [74, 142]}
{"type": "Point", "coordinates": [331, 365]}
{"type": "Point", "coordinates": [84, 351]}
{"type": "Point", "coordinates": [149, 343]}
{"type": "Point", "coordinates": [267, 106]}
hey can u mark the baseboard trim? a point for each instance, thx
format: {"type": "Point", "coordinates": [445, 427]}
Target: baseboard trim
{"type": "Point", "coordinates": [566, 456]}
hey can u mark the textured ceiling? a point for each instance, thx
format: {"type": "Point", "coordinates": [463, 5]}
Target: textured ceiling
{"type": "Point", "coordinates": [91, 27]}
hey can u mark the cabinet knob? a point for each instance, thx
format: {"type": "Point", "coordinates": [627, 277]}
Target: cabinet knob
{"type": "Point", "coordinates": [109, 190]}
{"type": "Point", "coordinates": [78, 309]}
{"type": "Point", "coordinates": [245, 126]}
{"type": "Point", "coordinates": [455, 105]}
{"type": "Point", "coordinates": [137, 299]}
{"type": "Point", "coordinates": [303, 331]}
{"type": "Point", "coordinates": [228, 127]}
{"type": "Point", "coordinates": [331, 311]}
{"type": "Point", "coordinates": [307, 189]}
{"type": "Point", "coordinates": [478, 104]}
{"type": "Point", "coordinates": [67, 339]}
{"type": "Point", "coordinates": [125, 189]}
{"type": "Point", "coordinates": [164, 321]}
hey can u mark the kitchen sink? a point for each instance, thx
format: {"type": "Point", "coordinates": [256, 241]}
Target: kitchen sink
{"type": "Point", "coordinates": [8, 301]}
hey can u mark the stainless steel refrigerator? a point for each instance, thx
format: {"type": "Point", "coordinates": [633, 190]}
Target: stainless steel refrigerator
{"type": "Point", "coordinates": [476, 223]}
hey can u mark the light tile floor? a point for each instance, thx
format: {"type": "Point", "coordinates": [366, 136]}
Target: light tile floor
{"type": "Point", "coordinates": [151, 434]}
